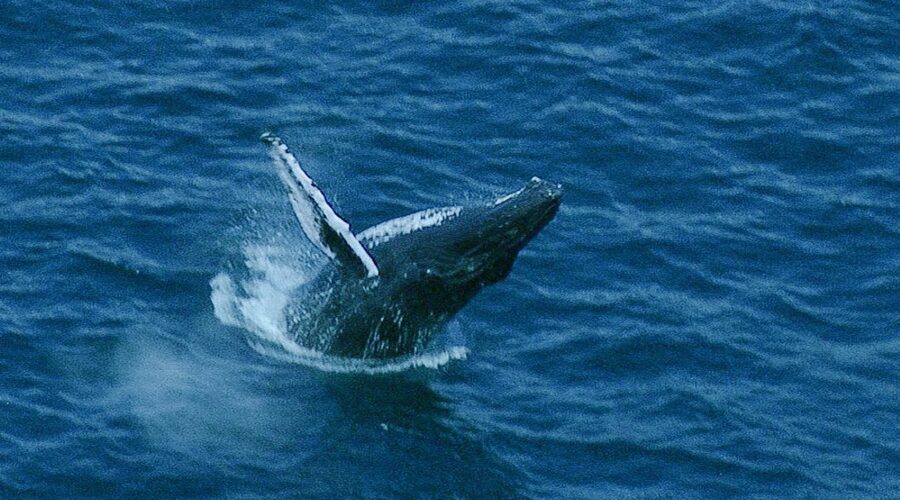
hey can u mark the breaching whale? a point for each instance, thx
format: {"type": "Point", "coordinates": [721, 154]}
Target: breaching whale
{"type": "Point", "coordinates": [392, 286]}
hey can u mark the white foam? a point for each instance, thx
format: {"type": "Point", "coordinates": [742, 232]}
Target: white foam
{"type": "Point", "coordinates": [387, 230]}
{"type": "Point", "coordinates": [351, 365]}
{"type": "Point", "coordinates": [258, 304]}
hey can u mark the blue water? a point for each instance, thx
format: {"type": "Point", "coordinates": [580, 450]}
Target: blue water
{"type": "Point", "coordinates": [715, 311]}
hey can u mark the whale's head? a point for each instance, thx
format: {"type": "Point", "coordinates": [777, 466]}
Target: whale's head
{"type": "Point", "coordinates": [487, 239]}
{"type": "Point", "coordinates": [470, 247]}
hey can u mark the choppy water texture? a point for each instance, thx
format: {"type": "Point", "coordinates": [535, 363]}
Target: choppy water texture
{"type": "Point", "coordinates": [714, 311]}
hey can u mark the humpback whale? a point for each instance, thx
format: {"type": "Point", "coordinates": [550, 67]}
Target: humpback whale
{"type": "Point", "coordinates": [390, 288]}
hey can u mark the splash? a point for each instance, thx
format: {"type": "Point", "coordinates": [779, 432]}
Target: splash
{"type": "Point", "coordinates": [257, 303]}
{"type": "Point", "coordinates": [430, 360]}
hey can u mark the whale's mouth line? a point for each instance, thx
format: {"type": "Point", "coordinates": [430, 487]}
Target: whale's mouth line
{"type": "Point", "coordinates": [507, 197]}
{"type": "Point", "coordinates": [548, 215]}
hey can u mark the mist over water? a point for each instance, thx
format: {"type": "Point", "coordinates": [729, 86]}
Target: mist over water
{"type": "Point", "coordinates": [713, 312]}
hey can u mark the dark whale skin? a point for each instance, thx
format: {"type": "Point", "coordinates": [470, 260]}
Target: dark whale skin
{"type": "Point", "coordinates": [425, 277]}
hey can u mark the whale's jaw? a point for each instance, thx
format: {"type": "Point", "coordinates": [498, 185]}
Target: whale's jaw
{"type": "Point", "coordinates": [516, 220]}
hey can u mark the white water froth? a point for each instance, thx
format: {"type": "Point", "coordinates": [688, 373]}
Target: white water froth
{"type": "Point", "coordinates": [257, 304]}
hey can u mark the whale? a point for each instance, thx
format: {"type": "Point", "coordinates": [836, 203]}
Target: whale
{"type": "Point", "coordinates": [386, 291]}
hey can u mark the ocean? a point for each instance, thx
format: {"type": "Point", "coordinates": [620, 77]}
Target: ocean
{"type": "Point", "coordinates": [714, 312]}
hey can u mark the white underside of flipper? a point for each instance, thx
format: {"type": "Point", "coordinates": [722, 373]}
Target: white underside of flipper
{"type": "Point", "coordinates": [328, 232]}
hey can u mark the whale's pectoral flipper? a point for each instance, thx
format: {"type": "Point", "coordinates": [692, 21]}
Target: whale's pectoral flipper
{"type": "Point", "coordinates": [322, 225]}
